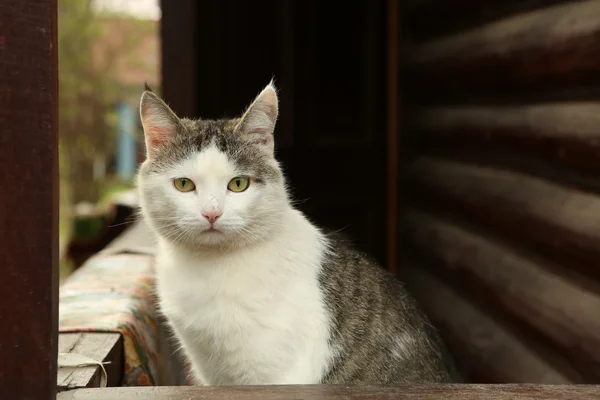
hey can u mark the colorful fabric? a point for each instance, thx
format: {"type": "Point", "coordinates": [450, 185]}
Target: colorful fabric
{"type": "Point", "coordinates": [114, 293]}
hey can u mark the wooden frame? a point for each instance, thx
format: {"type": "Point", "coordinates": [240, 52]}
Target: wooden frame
{"type": "Point", "coordinates": [29, 246]}
{"type": "Point", "coordinates": [28, 199]}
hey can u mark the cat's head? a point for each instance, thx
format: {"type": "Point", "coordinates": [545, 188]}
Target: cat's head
{"type": "Point", "coordinates": [211, 183]}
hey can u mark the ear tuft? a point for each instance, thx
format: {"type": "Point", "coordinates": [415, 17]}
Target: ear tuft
{"type": "Point", "coordinates": [159, 121]}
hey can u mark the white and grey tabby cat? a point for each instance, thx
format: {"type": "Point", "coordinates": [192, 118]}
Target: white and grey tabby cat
{"type": "Point", "coordinates": [255, 293]}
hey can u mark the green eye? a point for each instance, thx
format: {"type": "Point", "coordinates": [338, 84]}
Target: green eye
{"type": "Point", "coordinates": [184, 185]}
{"type": "Point", "coordinates": [238, 184]}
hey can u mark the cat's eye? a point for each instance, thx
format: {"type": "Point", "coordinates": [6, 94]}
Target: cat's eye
{"type": "Point", "coordinates": [238, 184]}
{"type": "Point", "coordinates": [184, 184]}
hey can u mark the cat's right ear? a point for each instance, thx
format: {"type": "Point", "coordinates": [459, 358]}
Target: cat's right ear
{"type": "Point", "coordinates": [159, 121]}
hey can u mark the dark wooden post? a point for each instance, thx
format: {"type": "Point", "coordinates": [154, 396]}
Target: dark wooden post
{"type": "Point", "coordinates": [28, 199]}
{"type": "Point", "coordinates": [179, 43]}
{"type": "Point", "coordinates": [392, 133]}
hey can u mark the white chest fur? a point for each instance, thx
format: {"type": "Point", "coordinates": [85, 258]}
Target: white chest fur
{"type": "Point", "coordinates": [253, 316]}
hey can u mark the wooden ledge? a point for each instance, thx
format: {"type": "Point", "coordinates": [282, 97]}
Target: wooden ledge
{"type": "Point", "coordinates": [314, 392]}
{"type": "Point", "coordinates": [105, 347]}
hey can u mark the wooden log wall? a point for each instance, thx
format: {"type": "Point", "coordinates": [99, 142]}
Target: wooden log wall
{"type": "Point", "coordinates": [499, 218]}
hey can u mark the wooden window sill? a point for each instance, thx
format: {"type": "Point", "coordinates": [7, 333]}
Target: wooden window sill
{"type": "Point", "coordinates": [314, 392]}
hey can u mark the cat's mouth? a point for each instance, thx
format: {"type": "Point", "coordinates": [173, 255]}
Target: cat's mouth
{"type": "Point", "coordinates": [212, 229]}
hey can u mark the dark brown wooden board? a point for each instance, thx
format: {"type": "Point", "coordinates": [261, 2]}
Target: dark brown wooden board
{"type": "Point", "coordinates": [393, 130]}
{"type": "Point", "coordinates": [551, 220]}
{"type": "Point", "coordinates": [104, 347]}
{"type": "Point", "coordinates": [511, 224]}
{"type": "Point", "coordinates": [565, 313]}
{"type": "Point", "coordinates": [179, 62]}
{"type": "Point", "coordinates": [549, 49]}
{"type": "Point", "coordinates": [322, 392]}
{"type": "Point", "coordinates": [562, 134]}
{"type": "Point", "coordinates": [426, 19]}
{"type": "Point", "coordinates": [28, 200]}
{"type": "Point", "coordinates": [483, 347]}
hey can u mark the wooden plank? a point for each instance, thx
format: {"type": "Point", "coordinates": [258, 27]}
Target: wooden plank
{"type": "Point", "coordinates": [28, 200]}
{"type": "Point", "coordinates": [426, 19]}
{"type": "Point", "coordinates": [179, 64]}
{"type": "Point", "coordinates": [554, 221]}
{"type": "Point", "coordinates": [105, 347]}
{"type": "Point", "coordinates": [551, 48]}
{"type": "Point", "coordinates": [463, 6]}
{"type": "Point", "coordinates": [322, 392]}
{"type": "Point", "coordinates": [393, 131]}
{"type": "Point", "coordinates": [485, 349]}
{"type": "Point", "coordinates": [66, 341]}
{"type": "Point", "coordinates": [558, 309]}
{"type": "Point", "coordinates": [566, 134]}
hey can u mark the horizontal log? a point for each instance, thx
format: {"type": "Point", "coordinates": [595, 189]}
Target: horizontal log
{"type": "Point", "coordinates": [463, 6]}
{"type": "Point", "coordinates": [561, 311]}
{"type": "Point", "coordinates": [550, 48]}
{"type": "Point", "coordinates": [339, 392]}
{"type": "Point", "coordinates": [557, 222]}
{"type": "Point", "coordinates": [566, 134]}
{"type": "Point", "coordinates": [429, 18]}
{"type": "Point", "coordinates": [484, 347]}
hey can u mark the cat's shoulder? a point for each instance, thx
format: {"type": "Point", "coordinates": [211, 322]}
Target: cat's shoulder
{"type": "Point", "coordinates": [343, 258]}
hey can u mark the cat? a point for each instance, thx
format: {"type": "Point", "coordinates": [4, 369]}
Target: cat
{"type": "Point", "coordinates": [255, 293]}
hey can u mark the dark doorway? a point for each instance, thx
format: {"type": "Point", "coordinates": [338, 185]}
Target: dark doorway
{"type": "Point", "coordinates": [329, 64]}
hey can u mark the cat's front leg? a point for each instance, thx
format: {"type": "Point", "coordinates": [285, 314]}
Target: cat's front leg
{"type": "Point", "coordinates": [194, 372]}
{"type": "Point", "coordinates": [302, 373]}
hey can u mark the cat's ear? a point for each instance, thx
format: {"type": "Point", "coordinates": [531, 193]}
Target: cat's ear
{"type": "Point", "coordinates": [258, 122]}
{"type": "Point", "coordinates": [159, 121]}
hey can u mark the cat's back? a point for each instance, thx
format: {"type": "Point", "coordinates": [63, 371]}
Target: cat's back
{"type": "Point", "coordinates": [379, 333]}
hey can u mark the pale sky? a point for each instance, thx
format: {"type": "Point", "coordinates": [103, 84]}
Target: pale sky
{"type": "Point", "coordinates": [143, 9]}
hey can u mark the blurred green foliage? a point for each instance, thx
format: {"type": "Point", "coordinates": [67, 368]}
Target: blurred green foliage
{"type": "Point", "coordinates": [93, 50]}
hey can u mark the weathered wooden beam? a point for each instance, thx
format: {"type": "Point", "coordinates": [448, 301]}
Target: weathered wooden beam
{"type": "Point", "coordinates": [525, 288]}
{"type": "Point", "coordinates": [484, 347]}
{"type": "Point", "coordinates": [551, 48]}
{"type": "Point", "coordinates": [338, 392]}
{"type": "Point", "coordinates": [28, 199]}
{"type": "Point", "coordinates": [101, 347]}
{"type": "Point", "coordinates": [435, 6]}
{"type": "Point", "coordinates": [565, 134]}
{"type": "Point", "coordinates": [432, 18]}
{"type": "Point", "coordinates": [552, 220]}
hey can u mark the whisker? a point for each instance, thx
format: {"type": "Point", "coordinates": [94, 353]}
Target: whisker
{"type": "Point", "coordinates": [122, 223]}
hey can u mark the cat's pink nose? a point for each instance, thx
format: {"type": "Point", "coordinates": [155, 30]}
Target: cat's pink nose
{"type": "Point", "coordinates": [212, 216]}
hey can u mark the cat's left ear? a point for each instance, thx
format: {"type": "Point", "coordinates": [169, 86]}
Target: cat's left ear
{"type": "Point", "coordinates": [258, 122]}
